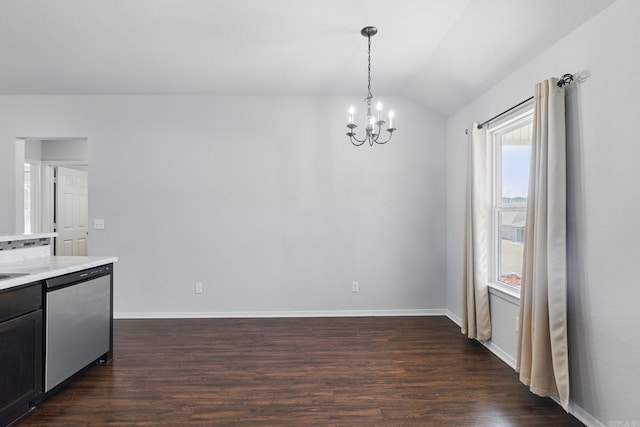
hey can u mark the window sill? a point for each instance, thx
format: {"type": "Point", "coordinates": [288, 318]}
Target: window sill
{"type": "Point", "coordinates": [507, 293]}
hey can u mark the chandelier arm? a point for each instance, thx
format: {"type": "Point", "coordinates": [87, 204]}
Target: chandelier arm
{"type": "Point", "coordinates": [384, 142]}
{"type": "Point", "coordinates": [353, 138]}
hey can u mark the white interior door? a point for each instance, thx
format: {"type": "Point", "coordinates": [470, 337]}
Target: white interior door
{"type": "Point", "coordinates": [72, 212]}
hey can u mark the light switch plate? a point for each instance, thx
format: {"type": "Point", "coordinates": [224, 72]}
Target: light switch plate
{"type": "Point", "coordinates": [98, 224]}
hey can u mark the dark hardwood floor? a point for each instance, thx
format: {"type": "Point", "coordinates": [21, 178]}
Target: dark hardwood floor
{"type": "Point", "coordinates": [377, 371]}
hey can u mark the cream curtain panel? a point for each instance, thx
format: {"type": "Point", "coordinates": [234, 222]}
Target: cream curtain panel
{"type": "Point", "coordinates": [543, 359]}
{"type": "Point", "coordinates": [476, 320]}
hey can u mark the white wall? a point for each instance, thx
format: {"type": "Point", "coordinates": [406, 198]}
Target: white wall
{"type": "Point", "coordinates": [262, 199]}
{"type": "Point", "coordinates": [604, 203]}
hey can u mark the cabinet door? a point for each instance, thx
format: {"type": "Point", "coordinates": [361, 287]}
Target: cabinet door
{"type": "Point", "coordinates": [20, 361]}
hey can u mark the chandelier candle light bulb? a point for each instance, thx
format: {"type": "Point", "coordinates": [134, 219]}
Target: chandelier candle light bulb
{"type": "Point", "coordinates": [372, 134]}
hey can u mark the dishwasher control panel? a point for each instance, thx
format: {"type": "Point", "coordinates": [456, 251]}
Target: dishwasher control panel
{"type": "Point", "coordinates": [78, 276]}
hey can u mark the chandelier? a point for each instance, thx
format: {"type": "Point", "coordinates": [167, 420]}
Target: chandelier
{"type": "Point", "coordinates": [374, 124]}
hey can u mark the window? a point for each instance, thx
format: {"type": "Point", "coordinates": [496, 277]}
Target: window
{"type": "Point", "coordinates": [511, 155]}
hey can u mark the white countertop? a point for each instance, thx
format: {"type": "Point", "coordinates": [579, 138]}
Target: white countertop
{"type": "Point", "coordinates": [46, 267]}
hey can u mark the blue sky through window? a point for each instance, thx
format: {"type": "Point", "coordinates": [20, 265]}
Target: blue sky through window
{"type": "Point", "coordinates": [515, 170]}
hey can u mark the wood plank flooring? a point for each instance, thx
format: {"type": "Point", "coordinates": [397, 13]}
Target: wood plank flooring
{"type": "Point", "coordinates": [376, 371]}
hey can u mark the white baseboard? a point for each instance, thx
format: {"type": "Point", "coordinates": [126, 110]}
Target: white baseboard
{"type": "Point", "coordinates": [503, 355]}
{"type": "Point", "coordinates": [583, 416]}
{"type": "Point", "coordinates": [265, 314]}
{"type": "Point", "coordinates": [455, 319]}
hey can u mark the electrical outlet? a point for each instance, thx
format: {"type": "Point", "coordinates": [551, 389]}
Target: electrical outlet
{"type": "Point", "coordinates": [355, 287]}
{"type": "Point", "coordinates": [199, 288]}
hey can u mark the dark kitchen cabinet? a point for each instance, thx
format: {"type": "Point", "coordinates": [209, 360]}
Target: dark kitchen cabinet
{"type": "Point", "coordinates": [20, 350]}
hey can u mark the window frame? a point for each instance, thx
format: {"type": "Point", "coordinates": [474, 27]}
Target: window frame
{"type": "Point", "coordinates": [517, 119]}
{"type": "Point", "coordinates": [35, 194]}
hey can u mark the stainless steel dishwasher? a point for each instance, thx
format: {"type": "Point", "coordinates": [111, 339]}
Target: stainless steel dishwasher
{"type": "Point", "coordinates": [78, 323]}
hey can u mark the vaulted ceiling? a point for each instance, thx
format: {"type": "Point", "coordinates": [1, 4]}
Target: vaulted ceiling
{"type": "Point", "coordinates": [441, 54]}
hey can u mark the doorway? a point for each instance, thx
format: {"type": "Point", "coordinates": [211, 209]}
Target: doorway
{"type": "Point", "coordinates": [54, 191]}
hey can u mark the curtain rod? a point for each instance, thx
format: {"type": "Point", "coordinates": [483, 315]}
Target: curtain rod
{"type": "Point", "coordinates": [564, 80]}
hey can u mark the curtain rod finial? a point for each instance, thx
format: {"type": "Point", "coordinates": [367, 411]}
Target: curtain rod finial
{"type": "Point", "coordinates": [565, 80]}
